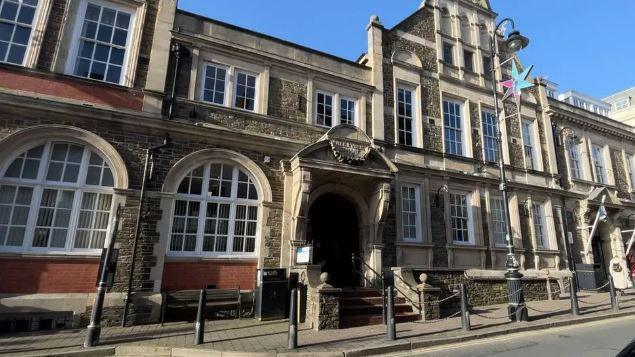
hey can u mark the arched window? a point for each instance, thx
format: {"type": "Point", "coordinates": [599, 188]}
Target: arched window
{"type": "Point", "coordinates": [55, 197]}
{"type": "Point", "coordinates": [446, 21]}
{"type": "Point", "coordinates": [216, 212]}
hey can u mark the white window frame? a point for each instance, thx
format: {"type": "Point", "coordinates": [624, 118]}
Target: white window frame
{"type": "Point", "coordinates": [41, 183]}
{"type": "Point", "coordinates": [529, 147]}
{"type": "Point", "coordinates": [73, 52]}
{"type": "Point", "coordinates": [203, 199]}
{"type": "Point", "coordinates": [490, 116]}
{"type": "Point", "coordinates": [417, 212]}
{"type": "Point", "coordinates": [336, 118]}
{"type": "Point", "coordinates": [235, 90]}
{"type": "Point", "coordinates": [225, 87]}
{"type": "Point", "coordinates": [35, 26]}
{"type": "Point", "coordinates": [630, 162]}
{"type": "Point", "coordinates": [354, 111]}
{"type": "Point", "coordinates": [599, 174]}
{"type": "Point", "coordinates": [470, 218]}
{"type": "Point", "coordinates": [412, 118]}
{"type": "Point", "coordinates": [334, 108]}
{"type": "Point", "coordinates": [496, 222]}
{"type": "Point", "coordinates": [622, 104]}
{"type": "Point", "coordinates": [573, 154]}
{"type": "Point", "coordinates": [462, 130]}
{"type": "Point", "coordinates": [539, 207]}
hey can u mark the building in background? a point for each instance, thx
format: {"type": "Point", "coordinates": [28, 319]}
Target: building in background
{"type": "Point", "coordinates": [585, 102]}
{"type": "Point", "coordinates": [622, 106]}
{"type": "Point", "coordinates": [276, 146]}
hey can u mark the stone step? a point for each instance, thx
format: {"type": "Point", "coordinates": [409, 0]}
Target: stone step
{"type": "Point", "coordinates": [366, 320]}
{"type": "Point", "coordinates": [374, 300]}
{"type": "Point", "coordinates": [372, 309]}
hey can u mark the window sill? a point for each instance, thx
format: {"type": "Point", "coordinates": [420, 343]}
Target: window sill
{"type": "Point", "coordinates": [50, 255]}
{"type": "Point", "coordinates": [546, 251]}
{"type": "Point", "coordinates": [466, 246]}
{"type": "Point", "coordinates": [414, 244]}
{"type": "Point", "coordinates": [190, 257]}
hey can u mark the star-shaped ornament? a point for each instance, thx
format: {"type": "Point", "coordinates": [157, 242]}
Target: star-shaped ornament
{"type": "Point", "coordinates": [517, 83]}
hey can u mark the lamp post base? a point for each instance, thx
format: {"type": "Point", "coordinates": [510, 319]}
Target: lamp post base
{"type": "Point", "coordinates": [516, 309]}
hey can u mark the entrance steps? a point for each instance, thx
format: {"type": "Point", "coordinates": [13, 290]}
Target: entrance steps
{"type": "Point", "coordinates": [363, 307]}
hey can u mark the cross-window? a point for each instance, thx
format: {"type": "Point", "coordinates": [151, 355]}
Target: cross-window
{"type": "Point", "coordinates": [215, 212]}
{"type": "Point", "coordinates": [57, 196]}
{"type": "Point", "coordinates": [528, 144]}
{"type": "Point", "coordinates": [539, 224]}
{"type": "Point", "coordinates": [461, 217]}
{"type": "Point", "coordinates": [410, 227]}
{"type": "Point", "coordinates": [103, 42]}
{"type": "Point", "coordinates": [598, 164]}
{"type": "Point", "coordinates": [16, 28]}
{"type": "Point", "coordinates": [453, 127]}
{"type": "Point", "coordinates": [574, 159]}
{"type": "Point", "coordinates": [497, 210]}
{"type": "Point", "coordinates": [405, 116]}
{"type": "Point", "coordinates": [490, 140]}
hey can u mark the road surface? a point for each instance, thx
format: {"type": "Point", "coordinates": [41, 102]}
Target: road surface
{"type": "Point", "coordinates": [602, 338]}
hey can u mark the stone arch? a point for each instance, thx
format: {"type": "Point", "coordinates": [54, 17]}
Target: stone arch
{"type": "Point", "coordinates": [189, 162]}
{"type": "Point", "coordinates": [350, 194]}
{"type": "Point", "coordinates": [26, 138]}
{"type": "Point", "coordinates": [406, 57]}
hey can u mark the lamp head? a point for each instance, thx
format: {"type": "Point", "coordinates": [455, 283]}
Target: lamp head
{"type": "Point", "coordinates": [515, 41]}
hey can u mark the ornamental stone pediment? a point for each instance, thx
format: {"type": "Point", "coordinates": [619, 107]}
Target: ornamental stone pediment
{"type": "Point", "coordinates": [348, 146]}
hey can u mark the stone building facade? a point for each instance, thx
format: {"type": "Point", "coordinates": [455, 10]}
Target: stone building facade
{"type": "Point", "coordinates": [275, 146]}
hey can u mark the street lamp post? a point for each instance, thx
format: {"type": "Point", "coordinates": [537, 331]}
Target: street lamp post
{"type": "Point", "coordinates": [516, 308]}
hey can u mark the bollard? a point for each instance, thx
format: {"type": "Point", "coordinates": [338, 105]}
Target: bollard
{"type": "Point", "coordinates": [293, 322]}
{"type": "Point", "coordinates": [391, 332]}
{"type": "Point", "coordinates": [465, 313]}
{"type": "Point", "coordinates": [200, 318]}
{"type": "Point", "coordinates": [383, 298]}
{"type": "Point", "coordinates": [573, 288]}
{"type": "Point", "coordinates": [614, 305]}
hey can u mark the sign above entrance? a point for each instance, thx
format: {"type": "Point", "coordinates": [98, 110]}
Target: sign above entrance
{"type": "Point", "coordinates": [350, 152]}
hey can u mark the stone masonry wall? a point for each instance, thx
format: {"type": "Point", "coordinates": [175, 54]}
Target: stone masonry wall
{"type": "Point", "coordinates": [287, 99]}
{"type": "Point", "coordinates": [619, 172]}
{"type": "Point", "coordinates": [525, 231]}
{"type": "Point", "coordinates": [475, 124]}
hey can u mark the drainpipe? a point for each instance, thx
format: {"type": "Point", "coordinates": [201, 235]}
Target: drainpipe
{"type": "Point", "coordinates": [149, 158]}
{"type": "Point", "coordinates": [179, 52]}
{"type": "Point", "coordinates": [559, 143]}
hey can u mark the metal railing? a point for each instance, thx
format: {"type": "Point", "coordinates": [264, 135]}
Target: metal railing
{"type": "Point", "coordinates": [382, 278]}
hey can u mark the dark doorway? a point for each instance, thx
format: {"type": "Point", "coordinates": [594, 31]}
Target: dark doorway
{"type": "Point", "coordinates": [334, 233]}
{"type": "Point", "coordinates": [599, 265]}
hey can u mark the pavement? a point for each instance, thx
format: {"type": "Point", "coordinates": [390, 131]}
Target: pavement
{"type": "Point", "coordinates": [249, 337]}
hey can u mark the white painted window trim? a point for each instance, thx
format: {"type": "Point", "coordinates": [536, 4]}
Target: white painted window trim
{"type": "Point", "coordinates": [336, 115]}
{"type": "Point", "coordinates": [570, 144]}
{"type": "Point", "coordinates": [495, 137]}
{"type": "Point", "coordinates": [415, 112]}
{"type": "Point", "coordinates": [133, 32]}
{"type": "Point", "coordinates": [202, 77]}
{"type": "Point", "coordinates": [40, 184]}
{"type": "Point", "coordinates": [532, 138]}
{"type": "Point", "coordinates": [492, 197]}
{"type": "Point", "coordinates": [630, 169]}
{"type": "Point", "coordinates": [235, 86]}
{"type": "Point", "coordinates": [604, 171]}
{"type": "Point", "coordinates": [355, 110]}
{"type": "Point", "coordinates": [418, 213]}
{"type": "Point", "coordinates": [40, 18]}
{"type": "Point", "coordinates": [466, 142]}
{"type": "Point", "coordinates": [203, 199]}
{"type": "Point", "coordinates": [470, 217]}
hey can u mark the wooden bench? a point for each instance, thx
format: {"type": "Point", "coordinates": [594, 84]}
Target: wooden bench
{"type": "Point", "coordinates": [216, 298]}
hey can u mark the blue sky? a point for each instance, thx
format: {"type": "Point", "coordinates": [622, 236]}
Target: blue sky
{"type": "Point", "coordinates": [588, 45]}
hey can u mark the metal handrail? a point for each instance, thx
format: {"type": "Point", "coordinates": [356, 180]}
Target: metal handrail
{"type": "Point", "coordinates": [381, 276]}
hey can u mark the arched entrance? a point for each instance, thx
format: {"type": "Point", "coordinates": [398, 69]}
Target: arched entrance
{"type": "Point", "coordinates": [333, 230]}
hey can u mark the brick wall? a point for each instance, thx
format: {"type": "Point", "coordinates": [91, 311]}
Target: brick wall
{"type": "Point", "coordinates": [48, 275]}
{"type": "Point", "coordinates": [198, 274]}
{"type": "Point", "coordinates": [71, 88]}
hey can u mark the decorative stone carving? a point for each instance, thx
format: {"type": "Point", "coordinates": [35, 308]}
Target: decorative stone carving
{"type": "Point", "coordinates": [349, 152]}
